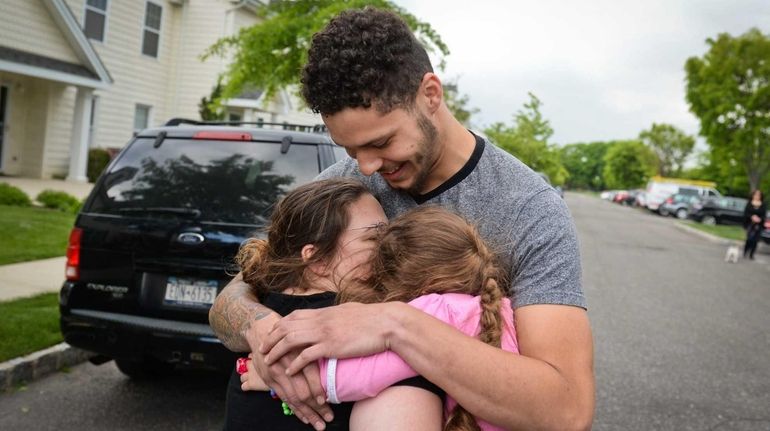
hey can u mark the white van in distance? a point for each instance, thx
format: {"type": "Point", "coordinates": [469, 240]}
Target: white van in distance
{"type": "Point", "coordinates": [660, 188]}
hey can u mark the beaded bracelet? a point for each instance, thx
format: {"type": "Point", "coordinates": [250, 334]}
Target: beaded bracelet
{"type": "Point", "coordinates": [287, 411]}
{"type": "Point", "coordinates": [242, 368]}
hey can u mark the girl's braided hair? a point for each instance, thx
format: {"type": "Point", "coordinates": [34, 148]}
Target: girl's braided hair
{"type": "Point", "coordinates": [431, 250]}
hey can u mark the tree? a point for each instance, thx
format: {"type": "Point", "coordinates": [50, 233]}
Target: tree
{"type": "Point", "coordinates": [671, 145]}
{"type": "Point", "coordinates": [208, 106]}
{"type": "Point", "coordinates": [527, 139]}
{"type": "Point", "coordinates": [585, 164]}
{"type": "Point", "coordinates": [271, 54]}
{"type": "Point", "coordinates": [628, 164]}
{"type": "Point", "coordinates": [458, 103]}
{"type": "Point", "coordinates": [729, 90]}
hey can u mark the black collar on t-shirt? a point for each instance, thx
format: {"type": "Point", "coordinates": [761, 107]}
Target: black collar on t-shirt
{"type": "Point", "coordinates": [455, 179]}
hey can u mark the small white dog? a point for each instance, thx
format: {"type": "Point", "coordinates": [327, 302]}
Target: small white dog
{"type": "Point", "coordinates": [733, 252]}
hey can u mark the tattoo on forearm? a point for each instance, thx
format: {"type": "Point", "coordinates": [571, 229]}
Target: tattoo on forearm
{"type": "Point", "coordinates": [231, 317]}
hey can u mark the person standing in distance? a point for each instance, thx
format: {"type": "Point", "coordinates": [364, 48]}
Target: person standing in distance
{"type": "Point", "coordinates": [375, 88]}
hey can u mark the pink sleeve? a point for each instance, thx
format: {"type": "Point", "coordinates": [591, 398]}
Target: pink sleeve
{"type": "Point", "coordinates": [354, 379]}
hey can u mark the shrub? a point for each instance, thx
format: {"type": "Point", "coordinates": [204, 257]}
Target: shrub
{"type": "Point", "coordinates": [58, 200]}
{"type": "Point", "coordinates": [10, 195]}
{"type": "Point", "coordinates": [98, 159]}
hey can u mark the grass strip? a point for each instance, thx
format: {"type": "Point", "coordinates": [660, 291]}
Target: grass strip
{"type": "Point", "coordinates": [28, 325]}
{"type": "Point", "coordinates": [735, 233]}
{"type": "Point", "coordinates": [28, 233]}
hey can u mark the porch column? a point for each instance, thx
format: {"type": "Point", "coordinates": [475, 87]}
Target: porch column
{"type": "Point", "coordinates": [80, 130]}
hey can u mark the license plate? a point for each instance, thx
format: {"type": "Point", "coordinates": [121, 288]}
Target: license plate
{"type": "Point", "coordinates": [188, 292]}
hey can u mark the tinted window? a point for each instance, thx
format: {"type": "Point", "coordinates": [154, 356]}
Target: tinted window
{"type": "Point", "coordinates": [227, 181]}
{"type": "Point", "coordinates": [688, 192]}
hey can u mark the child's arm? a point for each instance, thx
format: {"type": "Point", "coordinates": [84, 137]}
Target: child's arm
{"type": "Point", "coordinates": [354, 379]}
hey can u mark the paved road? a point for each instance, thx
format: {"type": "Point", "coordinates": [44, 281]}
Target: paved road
{"type": "Point", "coordinates": [682, 342]}
{"type": "Point", "coordinates": [682, 339]}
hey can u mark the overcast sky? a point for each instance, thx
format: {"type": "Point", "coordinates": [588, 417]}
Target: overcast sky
{"type": "Point", "coordinates": [604, 69]}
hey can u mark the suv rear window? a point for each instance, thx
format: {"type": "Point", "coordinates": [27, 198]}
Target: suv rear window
{"type": "Point", "coordinates": [211, 181]}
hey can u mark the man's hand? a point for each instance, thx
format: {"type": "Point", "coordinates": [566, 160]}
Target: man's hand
{"type": "Point", "coordinates": [342, 331]}
{"type": "Point", "coordinates": [302, 391]}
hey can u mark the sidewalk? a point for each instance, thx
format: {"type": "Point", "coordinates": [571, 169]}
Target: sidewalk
{"type": "Point", "coordinates": [18, 280]}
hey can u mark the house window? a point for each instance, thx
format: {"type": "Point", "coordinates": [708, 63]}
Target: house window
{"type": "Point", "coordinates": [141, 117]}
{"type": "Point", "coordinates": [151, 33]}
{"type": "Point", "coordinates": [95, 20]}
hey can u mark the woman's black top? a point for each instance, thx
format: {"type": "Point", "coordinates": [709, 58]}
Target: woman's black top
{"type": "Point", "coordinates": [257, 410]}
{"type": "Point", "coordinates": [751, 210]}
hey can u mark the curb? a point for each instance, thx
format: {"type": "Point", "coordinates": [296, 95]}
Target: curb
{"type": "Point", "coordinates": [26, 369]}
{"type": "Point", "coordinates": [713, 238]}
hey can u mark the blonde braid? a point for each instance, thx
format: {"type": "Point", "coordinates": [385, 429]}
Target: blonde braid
{"type": "Point", "coordinates": [491, 319]}
{"type": "Point", "coordinates": [490, 300]}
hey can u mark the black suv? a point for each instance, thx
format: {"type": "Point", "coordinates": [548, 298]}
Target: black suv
{"type": "Point", "coordinates": [155, 240]}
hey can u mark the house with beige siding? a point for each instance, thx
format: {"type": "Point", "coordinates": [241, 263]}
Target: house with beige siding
{"type": "Point", "coordinates": [79, 74]}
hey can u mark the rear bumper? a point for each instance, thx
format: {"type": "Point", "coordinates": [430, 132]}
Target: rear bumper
{"type": "Point", "coordinates": [132, 337]}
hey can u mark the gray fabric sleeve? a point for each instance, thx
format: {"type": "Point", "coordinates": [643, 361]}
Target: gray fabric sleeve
{"type": "Point", "coordinates": [547, 256]}
{"type": "Point", "coordinates": [340, 169]}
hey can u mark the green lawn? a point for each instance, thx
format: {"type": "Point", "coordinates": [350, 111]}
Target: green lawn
{"type": "Point", "coordinates": [28, 325]}
{"type": "Point", "coordinates": [723, 231]}
{"type": "Point", "coordinates": [32, 233]}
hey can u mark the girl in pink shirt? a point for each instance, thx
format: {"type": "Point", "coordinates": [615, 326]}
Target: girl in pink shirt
{"type": "Point", "coordinates": [437, 262]}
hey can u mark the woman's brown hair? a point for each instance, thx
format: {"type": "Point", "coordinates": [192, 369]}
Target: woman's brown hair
{"type": "Point", "coordinates": [431, 250]}
{"type": "Point", "coordinates": [315, 213]}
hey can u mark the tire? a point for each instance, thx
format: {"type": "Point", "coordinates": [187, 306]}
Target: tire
{"type": "Point", "coordinates": [681, 214]}
{"type": "Point", "coordinates": [709, 220]}
{"type": "Point", "coordinates": [143, 369]}
{"type": "Point", "coordinates": [663, 212]}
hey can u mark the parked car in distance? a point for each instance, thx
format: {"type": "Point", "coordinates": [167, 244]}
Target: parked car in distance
{"type": "Point", "coordinates": [677, 205]}
{"type": "Point", "coordinates": [659, 189]}
{"type": "Point", "coordinates": [722, 210]}
{"type": "Point", "coordinates": [608, 195]}
{"type": "Point", "coordinates": [155, 240]}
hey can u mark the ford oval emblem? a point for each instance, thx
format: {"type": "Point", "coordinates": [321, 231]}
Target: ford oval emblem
{"type": "Point", "coordinates": [190, 238]}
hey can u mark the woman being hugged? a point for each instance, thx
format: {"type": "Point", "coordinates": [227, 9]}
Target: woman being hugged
{"type": "Point", "coordinates": [319, 237]}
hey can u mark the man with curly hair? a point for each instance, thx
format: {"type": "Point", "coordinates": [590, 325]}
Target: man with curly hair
{"type": "Point", "coordinates": [373, 83]}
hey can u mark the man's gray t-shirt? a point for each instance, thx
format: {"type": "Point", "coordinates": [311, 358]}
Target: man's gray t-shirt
{"type": "Point", "coordinates": [520, 216]}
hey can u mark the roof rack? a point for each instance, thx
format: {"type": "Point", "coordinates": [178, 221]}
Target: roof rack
{"type": "Point", "coordinates": [315, 128]}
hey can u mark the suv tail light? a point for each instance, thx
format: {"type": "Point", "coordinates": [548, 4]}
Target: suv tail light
{"type": "Point", "coordinates": [73, 255]}
{"type": "Point", "coordinates": [670, 200]}
{"type": "Point", "coordinates": [223, 136]}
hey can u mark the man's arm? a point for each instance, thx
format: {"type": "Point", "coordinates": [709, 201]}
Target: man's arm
{"type": "Point", "coordinates": [241, 322]}
{"type": "Point", "coordinates": [234, 310]}
{"type": "Point", "coordinates": [550, 385]}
